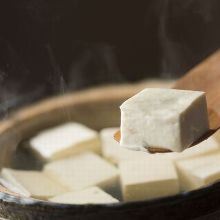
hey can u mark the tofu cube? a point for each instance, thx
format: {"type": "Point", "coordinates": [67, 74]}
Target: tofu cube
{"type": "Point", "coordinates": [206, 147]}
{"type": "Point", "coordinates": [33, 183]}
{"type": "Point", "coordinates": [164, 118]}
{"type": "Point", "coordinates": [217, 136]}
{"type": "Point", "coordinates": [12, 188]}
{"type": "Point", "coordinates": [198, 172]}
{"type": "Point", "coordinates": [113, 152]}
{"type": "Point", "coordinates": [65, 140]}
{"type": "Point", "coordinates": [91, 195]}
{"type": "Point", "coordinates": [147, 179]}
{"type": "Point", "coordinates": [82, 171]}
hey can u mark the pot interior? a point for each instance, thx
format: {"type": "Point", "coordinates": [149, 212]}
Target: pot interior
{"type": "Point", "coordinates": [94, 115]}
{"type": "Point", "coordinates": [96, 108]}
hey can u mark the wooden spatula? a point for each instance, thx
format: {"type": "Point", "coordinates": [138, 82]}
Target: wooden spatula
{"type": "Point", "coordinates": [204, 77]}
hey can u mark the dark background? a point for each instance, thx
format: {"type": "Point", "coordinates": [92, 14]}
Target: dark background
{"type": "Point", "coordinates": [52, 46]}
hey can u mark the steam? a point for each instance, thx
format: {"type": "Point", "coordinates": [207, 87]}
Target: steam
{"type": "Point", "coordinates": [94, 64]}
{"type": "Point", "coordinates": [4, 99]}
{"type": "Point", "coordinates": [171, 50]}
{"type": "Point", "coordinates": [57, 78]}
{"type": "Point", "coordinates": [181, 49]}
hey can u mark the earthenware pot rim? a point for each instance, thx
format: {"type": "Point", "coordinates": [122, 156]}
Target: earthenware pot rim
{"type": "Point", "coordinates": [94, 94]}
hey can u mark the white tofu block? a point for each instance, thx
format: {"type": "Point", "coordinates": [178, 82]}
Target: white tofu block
{"type": "Point", "coordinates": [147, 179]}
{"type": "Point", "coordinates": [217, 136]}
{"type": "Point", "coordinates": [11, 187]}
{"type": "Point", "coordinates": [165, 118]}
{"type": "Point", "coordinates": [65, 140]}
{"type": "Point", "coordinates": [33, 183]}
{"type": "Point", "coordinates": [206, 147]}
{"type": "Point", "coordinates": [82, 171]}
{"type": "Point", "coordinates": [91, 195]}
{"type": "Point", "coordinates": [198, 172]}
{"type": "Point", "coordinates": [115, 153]}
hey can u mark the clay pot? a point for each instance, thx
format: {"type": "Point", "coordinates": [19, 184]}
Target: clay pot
{"type": "Point", "coordinates": [96, 108]}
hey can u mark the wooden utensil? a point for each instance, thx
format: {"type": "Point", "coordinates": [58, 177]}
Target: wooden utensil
{"type": "Point", "coordinates": [203, 77]}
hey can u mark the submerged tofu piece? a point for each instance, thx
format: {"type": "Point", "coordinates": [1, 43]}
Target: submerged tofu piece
{"type": "Point", "coordinates": [217, 136]}
{"type": "Point", "coordinates": [12, 188]}
{"type": "Point", "coordinates": [163, 118]}
{"type": "Point", "coordinates": [33, 183]}
{"type": "Point", "coordinates": [206, 147]}
{"type": "Point", "coordinates": [198, 172]}
{"type": "Point", "coordinates": [82, 171]}
{"type": "Point", "coordinates": [91, 195]}
{"type": "Point", "coordinates": [65, 140]}
{"type": "Point", "coordinates": [147, 179]}
{"type": "Point", "coordinates": [112, 151]}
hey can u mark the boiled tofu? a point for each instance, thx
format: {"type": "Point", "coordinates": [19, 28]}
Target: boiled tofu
{"type": "Point", "coordinates": [198, 172]}
{"type": "Point", "coordinates": [12, 188]}
{"type": "Point", "coordinates": [112, 151]}
{"type": "Point", "coordinates": [65, 140]}
{"type": "Point", "coordinates": [82, 171]}
{"type": "Point", "coordinates": [163, 118]}
{"type": "Point", "coordinates": [146, 179]}
{"type": "Point", "coordinates": [217, 136]}
{"type": "Point", "coordinates": [91, 195]}
{"type": "Point", "coordinates": [206, 147]}
{"type": "Point", "coordinates": [33, 183]}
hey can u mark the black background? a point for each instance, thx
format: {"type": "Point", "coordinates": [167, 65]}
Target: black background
{"type": "Point", "coordinates": [51, 46]}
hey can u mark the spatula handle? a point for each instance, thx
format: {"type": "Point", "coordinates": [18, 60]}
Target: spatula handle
{"type": "Point", "coordinates": [206, 77]}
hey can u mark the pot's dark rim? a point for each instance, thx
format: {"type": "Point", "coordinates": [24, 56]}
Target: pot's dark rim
{"type": "Point", "coordinates": [39, 205]}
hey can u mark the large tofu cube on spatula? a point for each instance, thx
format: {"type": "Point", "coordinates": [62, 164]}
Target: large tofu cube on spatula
{"type": "Point", "coordinates": [163, 118]}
